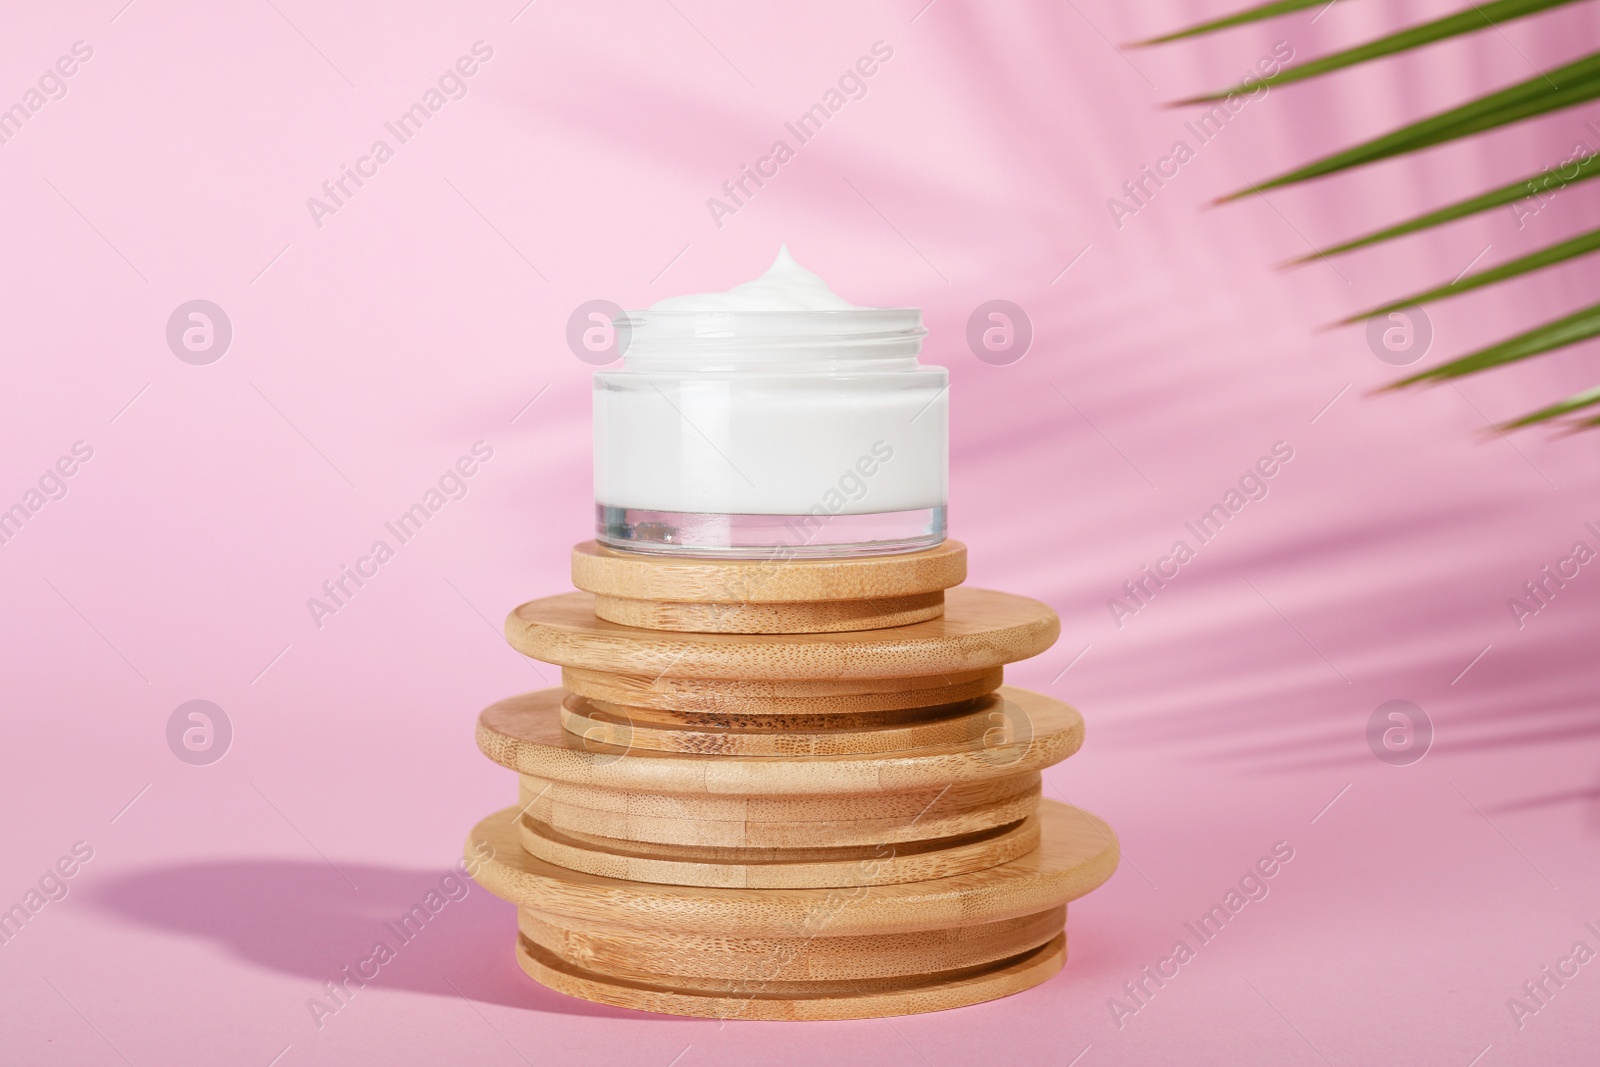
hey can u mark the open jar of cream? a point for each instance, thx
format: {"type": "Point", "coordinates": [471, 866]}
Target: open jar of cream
{"type": "Point", "coordinates": [775, 419]}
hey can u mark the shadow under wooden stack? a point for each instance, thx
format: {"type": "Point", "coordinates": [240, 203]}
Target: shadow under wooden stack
{"type": "Point", "coordinates": [785, 789]}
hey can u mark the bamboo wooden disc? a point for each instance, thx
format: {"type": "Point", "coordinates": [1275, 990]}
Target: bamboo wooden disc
{"type": "Point", "coordinates": [979, 629]}
{"type": "Point", "coordinates": [937, 815]}
{"type": "Point", "coordinates": [611, 724]}
{"type": "Point", "coordinates": [767, 723]}
{"type": "Point", "coordinates": [747, 697]}
{"type": "Point", "coordinates": [611, 572]}
{"type": "Point", "coordinates": [622, 951]}
{"type": "Point", "coordinates": [1076, 853]}
{"type": "Point", "coordinates": [797, 820]}
{"type": "Point", "coordinates": [798, 1001]}
{"type": "Point", "coordinates": [770, 617]}
{"type": "Point", "coordinates": [1029, 732]}
{"type": "Point", "coordinates": [780, 868]}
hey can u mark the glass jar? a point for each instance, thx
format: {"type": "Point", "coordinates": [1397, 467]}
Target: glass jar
{"type": "Point", "coordinates": [771, 433]}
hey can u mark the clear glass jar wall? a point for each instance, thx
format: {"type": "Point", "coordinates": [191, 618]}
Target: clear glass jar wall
{"type": "Point", "coordinates": [771, 433]}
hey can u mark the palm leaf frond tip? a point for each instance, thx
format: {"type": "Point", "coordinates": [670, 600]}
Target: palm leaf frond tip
{"type": "Point", "coordinates": [1254, 14]}
{"type": "Point", "coordinates": [1576, 83]}
{"type": "Point", "coordinates": [1550, 181]}
{"type": "Point", "coordinates": [1579, 326]}
{"type": "Point", "coordinates": [1478, 17]}
{"type": "Point", "coordinates": [1582, 245]}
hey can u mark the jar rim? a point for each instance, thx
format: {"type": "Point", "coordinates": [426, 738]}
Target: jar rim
{"type": "Point", "coordinates": [836, 326]}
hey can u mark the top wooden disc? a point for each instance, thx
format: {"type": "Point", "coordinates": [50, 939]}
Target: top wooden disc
{"type": "Point", "coordinates": [612, 572]}
{"type": "Point", "coordinates": [980, 629]}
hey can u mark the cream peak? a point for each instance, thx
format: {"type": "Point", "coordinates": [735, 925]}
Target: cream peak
{"type": "Point", "coordinates": [786, 286]}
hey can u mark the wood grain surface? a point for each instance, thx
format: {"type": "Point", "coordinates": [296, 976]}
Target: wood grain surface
{"type": "Point", "coordinates": [780, 868]}
{"type": "Point", "coordinates": [768, 696]}
{"type": "Point", "coordinates": [979, 629]}
{"type": "Point", "coordinates": [638, 728]}
{"type": "Point", "coordinates": [733, 819]}
{"type": "Point", "coordinates": [613, 572]}
{"type": "Point", "coordinates": [1077, 852]}
{"type": "Point", "coordinates": [624, 951]}
{"type": "Point", "coordinates": [770, 617]}
{"type": "Point", "coordinates": [781, 822]}
{"type": "Point", "coordinates": [793, 1001]}
{"type": "Point", "coordinates": [762, 722]}
{"type": "Point", "coordinates": [1028, 732]}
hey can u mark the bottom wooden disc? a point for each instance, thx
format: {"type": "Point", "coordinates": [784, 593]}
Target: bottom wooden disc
{"type": "Point", "coordinates": [871, 999]}
{"type": "Point", "coordinates": [716, 962]}
{"type": "Point", "coordinates": [851, 952]}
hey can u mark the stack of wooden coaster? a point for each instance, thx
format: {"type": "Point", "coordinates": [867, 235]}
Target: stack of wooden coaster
{"type": "Point", "coordinates": [785, 789]}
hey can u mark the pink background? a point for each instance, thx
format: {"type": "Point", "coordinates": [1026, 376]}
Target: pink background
{"type": "Point", "coordinates": [429, 311]}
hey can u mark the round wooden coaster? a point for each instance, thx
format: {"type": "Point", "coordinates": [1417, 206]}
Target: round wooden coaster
{"type": "Point", "coordinates": [653, 956]}
{"type": "Point", "coordinates": [780, 868]}
{"type": "Point", "coordinates": [939, 815]}
{"type": "Point", "coordinates": [773, 723]}
{"type": "Point", "coordinates": [612, 572]}
{"type": "Point", "coordinates": [770, 617]}
{"type": "Point", "coordinates": [1077, 852]}
{"type": "Point", "coordinates": [800, 1001]}
{"type": "Point", "coordinates": [1029, 732]}
{"type": "Point", "coordinates": [612, 724]}
{"type": "Point", "coordinates": [979, 629]}
{"type": "Point", "coordinates": [748, 697]}
{"type": "Point", "coordinates": [785, 820]}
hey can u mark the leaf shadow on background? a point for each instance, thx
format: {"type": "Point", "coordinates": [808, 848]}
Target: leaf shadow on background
{"type": "Point", "coordinates": [1239, 684]}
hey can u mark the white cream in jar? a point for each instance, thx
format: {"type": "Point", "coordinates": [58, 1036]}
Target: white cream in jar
{"type": "Point", "coordinates": [775, 419]}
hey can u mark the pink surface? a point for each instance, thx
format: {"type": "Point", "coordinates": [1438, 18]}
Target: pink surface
{"type": "Point", "coordinates": [427, 313]}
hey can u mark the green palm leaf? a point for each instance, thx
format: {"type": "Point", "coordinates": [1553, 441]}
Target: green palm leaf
{"type": "Point", "coordinates": [1581, 245]}
{"type": "Point", "coordinates": [1480, 17]}
{"type": "Point", "coordinates": [1586, 399]}
{"type": "Point", "coordinates": [1566, 86]}
{"type": "Point", "coordinates": [1551, 180]}
{"type": "Point", "coordinates": [1254, 14]}
{"type": "Point", "coordinates": [1579, 326]}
